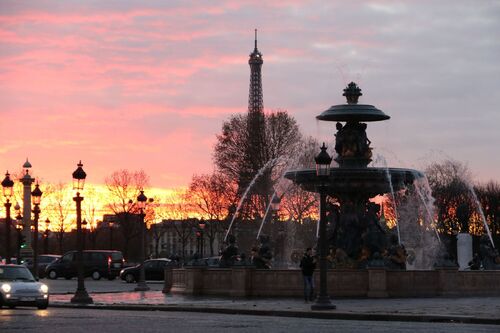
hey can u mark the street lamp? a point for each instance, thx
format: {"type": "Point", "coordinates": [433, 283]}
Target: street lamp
{"type": "Point", "coordinates": [81, 296]}
{"type": "Point", "coordinates": [278, 227]}
{"type": "Point", "coordinates": [110, 225]}
{"type": "Point", "coordinates": [141, 203]}
{"type": "Point", "coordinates": [202, 226]}
{"type": "Point", "coordinates": [84, 233]}
{"type": "Point", "coordinates": [323, 160]}
{"type": "Point", "coordinates": [8, 191]}
{"type": "Point", "coordinates": [46, 237]}
{"type": "Point", "coordinates": [19, 230]}
{"type": "Point", "coordinates": [36, 197]}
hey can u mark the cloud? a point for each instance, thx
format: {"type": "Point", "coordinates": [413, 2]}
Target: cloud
{"type": "Point", "coordinates": [105, 81]}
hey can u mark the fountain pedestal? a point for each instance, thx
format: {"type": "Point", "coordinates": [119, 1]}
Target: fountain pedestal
{"type": "Point", "coordinates": [464, 250]}
{"type": "Point", "coordinates": [377, 282]}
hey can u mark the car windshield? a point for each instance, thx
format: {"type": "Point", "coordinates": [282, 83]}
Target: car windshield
{"type": "Point", "coordinates": [117, 256]}
{"type": "Point", "coordinates": [15, 273]}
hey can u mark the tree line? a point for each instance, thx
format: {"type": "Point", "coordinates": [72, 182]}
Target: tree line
{"type": "Point", "coordinates": [217, 197]}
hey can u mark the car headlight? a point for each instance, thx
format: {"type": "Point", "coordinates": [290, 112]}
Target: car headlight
{"type": "Point", "coordinates": [6, 287]}
{"type": "Point", "coordinates": [44, 289]}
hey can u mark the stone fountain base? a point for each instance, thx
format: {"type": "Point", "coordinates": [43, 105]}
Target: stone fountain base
{"type": "Point", "coordinates": [372, 283]}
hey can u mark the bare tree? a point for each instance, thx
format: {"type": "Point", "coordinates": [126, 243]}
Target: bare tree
{"type": "Point", "coordinates": [90, 205]}
{"type": "Point", "coordinates": [124, 186]}
{"type": "Point", "coordinates": [237, 157]}
{"type": "Point", "coordinates": [157, 231]}
{"type": "Point", "coordinates": [299, 204]}
{"type": "Point", "coordinates": [489, 196]}
{"type": "Point", "coordinates": [211, 196]}
{"type": "Point", "coordinates": [450, 183]}
{"type": "Point", "coordinates": [175, 212]}
{"type": "Point", "coordinates": [60, 206]}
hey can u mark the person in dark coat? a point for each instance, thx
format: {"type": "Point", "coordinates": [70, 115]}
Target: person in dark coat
{"type": "Point", "coordinates": [308, 265]}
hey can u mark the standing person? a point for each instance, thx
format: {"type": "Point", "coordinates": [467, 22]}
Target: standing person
{"type": "Point", "coordinates": [308, 264]}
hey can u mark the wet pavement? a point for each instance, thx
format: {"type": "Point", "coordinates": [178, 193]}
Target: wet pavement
{"type": "Point", "coordinates": [482, 309]}
{"type": "Point", "coordinates": [119, 295]}
{"type": "Point", "coordinates": [63, 286]}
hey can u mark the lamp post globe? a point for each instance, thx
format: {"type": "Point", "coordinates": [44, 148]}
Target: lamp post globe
{"type": "Point", "coordinates": [8, 186]}
{"type": "Point", "coordinates": [8, 191]}
{"type": "Point", "coordinates": [36, 197]}
{"type": "Point", "coordinates": [202, 224]}
{"type": "Point", "coordinates": [79, 177]}
{"type": "Point", "coordinates": [323, 161]}
{"type": "Point", "coordinates": [81, 296]}
{"type": "Point", "coordinates": [141, 204]}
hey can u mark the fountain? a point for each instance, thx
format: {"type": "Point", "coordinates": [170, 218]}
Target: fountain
{"type": "Point", "coordinates": [364, 252]}
{"type": "Point", "coordinates": [353, 182]}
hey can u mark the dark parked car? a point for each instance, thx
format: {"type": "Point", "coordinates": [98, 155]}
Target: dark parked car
{"type": "Point", "coordinates": [154, 269]}
{"type": "Point", "coordinates": [43, 261]}
{"type": "Point", "coordinates": [96, 264]}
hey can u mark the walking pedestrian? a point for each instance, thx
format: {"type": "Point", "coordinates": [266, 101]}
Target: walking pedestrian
{"type": "Point", "coordinates": [308, 264]}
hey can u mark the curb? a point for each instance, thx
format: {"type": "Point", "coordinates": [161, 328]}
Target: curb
{"type": "Point", "coordinates": [290, 313]}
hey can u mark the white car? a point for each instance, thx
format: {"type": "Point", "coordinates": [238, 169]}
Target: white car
{"type": "Point", "coordinates": [19, 287]}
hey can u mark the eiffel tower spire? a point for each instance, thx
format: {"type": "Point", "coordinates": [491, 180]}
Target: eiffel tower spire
{"type": "Point", "coordinates": [255, 98]}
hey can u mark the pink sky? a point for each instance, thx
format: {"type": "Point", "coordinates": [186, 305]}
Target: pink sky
{"type": "Point", "coordinates": [124, 84]}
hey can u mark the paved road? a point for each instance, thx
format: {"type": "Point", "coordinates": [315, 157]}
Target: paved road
{"type": "Point", "coordinates": [88, 320]}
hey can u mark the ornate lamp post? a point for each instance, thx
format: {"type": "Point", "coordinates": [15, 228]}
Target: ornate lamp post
{"type": "Point", "coordinates": [279, 227]}
{"type": "Point", "coordinates": [8, 191]}
{"type": "Point", "coordinates": [323, 161]}
{"type": "Point", "coordinates": [46, 237]}
{"type": "Point", "coordinates": [141, 203]}
{"type": "Point", "coordinates": [202, 226]}
{"type": "Point", "coordinates": [81, 296]}
{"type": "Point", "coordinates": [36, 197]}
{"type": "Point", "coordinates": [19, 230]}
{"type": "Point", "coordinates": [27, 180]}
{"type": "Point", "coordinates": [84, 232]}
{"type": "Point", "coordinates": [110, 225]}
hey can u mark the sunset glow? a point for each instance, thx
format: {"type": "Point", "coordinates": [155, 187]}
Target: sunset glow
{"type": "Point", "coordinates": [147, 85]}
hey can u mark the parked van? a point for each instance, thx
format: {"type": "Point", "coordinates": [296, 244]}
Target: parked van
{"type": "Point", "coordinates": [96, 264]}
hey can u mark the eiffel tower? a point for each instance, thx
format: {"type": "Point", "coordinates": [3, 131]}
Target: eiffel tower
{"type": "Point", "coordinates": [256, 151]}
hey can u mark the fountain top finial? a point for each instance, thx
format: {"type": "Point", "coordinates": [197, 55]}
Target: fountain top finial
{"type": "Point", "coordinates": [352, 93]}
{"type": "Point", "coordinates": [352, 111]}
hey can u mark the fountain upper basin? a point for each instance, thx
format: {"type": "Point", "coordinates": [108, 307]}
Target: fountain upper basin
{"type": "Point", "coordinates": [367, 182]}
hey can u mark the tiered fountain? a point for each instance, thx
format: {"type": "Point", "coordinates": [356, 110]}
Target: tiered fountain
{"type": "Point", "coordinates": [358, 232]}
{"type": "Point", "coordinates": [353, 183]}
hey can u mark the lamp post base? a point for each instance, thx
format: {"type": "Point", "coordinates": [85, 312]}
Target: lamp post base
{"type": "Point", "coordinates": [141, 286]}
{"type": "Point", "coordinates": [81, 297]}
{"type": "Point", "coordinates": [323, 303]}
